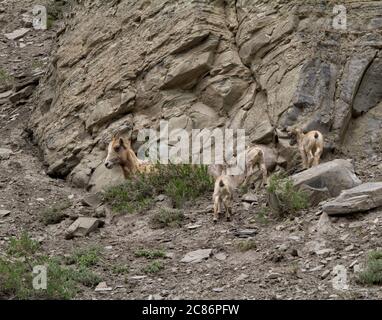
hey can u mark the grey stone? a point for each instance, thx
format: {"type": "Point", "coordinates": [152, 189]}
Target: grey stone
{"type": "Point", "coordinates": [82, 227]}
{"type": "Point", "coordinates": [92, 200]}
{"type": "Point", "coordinates": [369, 93]}
{"type": "Point", "coordinates": [4, 213]}
{"type": "Point", "coordinates": [335, 176]}
{"type": "Point", "coordinates": [5, 153]}
{"type": "Point", "coordinates": [22, 94]}
{"type": "Point", "coordinates": [263, 133]}
{"type": "Point", "coordinates": [17, 34]}
{"type": "Point", "coordinates": [250, 197]}
{"type": "Point", "coordinates": [197, 256]}
{"type": "Point", "coordinates": [102, 286]}
{"type": "Point", "coordinates": [5, 94]}
{"type": "Point", "coordinates": [364, 197]}
{"type": "Point", "coordinates": [245, 233]}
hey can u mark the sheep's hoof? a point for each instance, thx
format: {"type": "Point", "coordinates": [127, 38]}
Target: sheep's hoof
{"type": "Point", "coordinates": [215, 220]}
{"type": "Point", "coordinates": [228, 219]}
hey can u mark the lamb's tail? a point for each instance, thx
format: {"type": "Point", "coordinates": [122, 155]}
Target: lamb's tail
{"type": "Point", "coordinates": [316, 135]}
{"type": "Point", "coordinates": [221, 184]}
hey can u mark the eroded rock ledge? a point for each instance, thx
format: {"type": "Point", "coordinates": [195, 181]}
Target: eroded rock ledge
{"type": "Point", "coordinates": [255, 64]}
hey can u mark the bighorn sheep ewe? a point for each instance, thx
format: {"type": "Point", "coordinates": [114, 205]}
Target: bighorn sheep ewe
{"type": "Point", "coordinates": [119, 152]}
{"type": "Point", "coordinates": [310, 145]}
{"type": "Point", "coordinates": [223, 193]}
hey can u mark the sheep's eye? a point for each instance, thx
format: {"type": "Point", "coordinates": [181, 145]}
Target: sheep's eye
{"type": "Point", "coordinates": [117, 148]}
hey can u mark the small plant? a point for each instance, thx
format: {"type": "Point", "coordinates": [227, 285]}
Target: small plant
{"type": "Point", "coordinates": [16, 272]}
{"type": "Point", "coordinates": [154, 267]}
{"type": "Point", "coordinates": [36, 64]}
{"type": "Point", "coordinates": [23, 246]}
{"type": "Point", "coordinates": [372, 275]}
{"type": "Point", "coordinates": [5, 78]}
{"type": "Point", "coordinates": [86, 277]}
{"type": "Point", "coordinates": [246, 245]}
{"type": "Point", "coordinates": [120, 269]}
{"type": "Point", "coordinates": [87, 257]}
{"type": "Point", "coordinates": [289, 199]}
{"type": "Point", "coordinates": [150, 254]}
{"type": "Point", "coordinates": [181, 183]}
{"type": "Point", "coordinates": [167, 218]}
{"type": "Point", "coordinates": [262, 215]}
{"type": "Point", "coordinates": [54, 214]}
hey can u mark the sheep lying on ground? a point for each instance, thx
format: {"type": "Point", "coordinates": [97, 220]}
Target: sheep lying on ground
{"type": "Point", "coordinates": [311, 146]}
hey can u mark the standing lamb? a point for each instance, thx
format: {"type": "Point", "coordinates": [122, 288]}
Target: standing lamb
{"type": "Point", "coordinates": [223, 193]}
{"type": "Point", "coordinates": [311, 146]}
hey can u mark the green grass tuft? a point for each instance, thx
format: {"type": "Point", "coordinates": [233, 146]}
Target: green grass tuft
{"type": "Point", "coordinates": [54, 214]}
{"type": "Point", "coordinates": [372, 274]}
{"type": "Point", "coordinates": [150, 254]}
{"type": "Point", "coordinates": [167, 218]}
{"type": "Point", "coordinates": [154, 267]}
{"type": "Point", "coordinates": [246, 245]}
{"type": "Point", "coordinates": [181, 183]}
{"type": "Point", "coordinates": [290, 199]}
{"type": "Point", "coordinates": [86, 257]}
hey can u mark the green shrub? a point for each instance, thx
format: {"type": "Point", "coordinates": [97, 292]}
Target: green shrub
{"type": "Point", "coordinates": [5, 78]}
{"type": "Point", "coordinates": [54, 214]}
{"type": "Point", "coordinates": [154, 267]}
{"type": "Point", "coordinates": [372, 274]}
{"type": "Point", "coordinates": [16, 277]}
{"type": "Point", "coordinates": [23, 246]}
{"type": "Point", "coordinates": [289, 198]}
{"type": "Point", "coordinates": [22, 254]}
{"type": "Point", "coordinates": [150, 254]}
{"type": "Point", "coordinates": [246, 245]}
{"type": "Point", "coordinates": [120, 269]}
{"type": "Point", "coordinates": [167, 218]}
{"type": "Point", "coordinates": [86, 257]}
{"type": "Point", "coordinates": [180, 183]}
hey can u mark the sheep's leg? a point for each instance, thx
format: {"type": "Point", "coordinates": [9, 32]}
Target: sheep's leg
{"type": "Point", "coordinates": [263, 169]}
{"type": "Point", "coordinates": [227, 205]}
{"type": "Point", "coordinates": [248, 175]}
{"type": "Point", "coordinates": [317, 156]}
{"type": "Point", "coordinates": [310, 159]}
{"type": "Point", "coordinates": [216, 208]}
{"type": "Point", "coordinates": [304, 159]}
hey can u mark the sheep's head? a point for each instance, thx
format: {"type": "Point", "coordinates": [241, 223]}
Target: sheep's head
{"type": "Point", "coordinates": [116, 151]}
{"type": "Point", "coordinates": [295, 134]}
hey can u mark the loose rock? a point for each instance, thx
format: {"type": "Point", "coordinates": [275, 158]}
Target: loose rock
{"type": "Point", "coordinates": [82, 227]}
{"type": "Point", "coordinates": [197, 256]}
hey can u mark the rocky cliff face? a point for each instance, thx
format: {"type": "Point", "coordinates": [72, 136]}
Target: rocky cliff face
{"type": "Point", "coordinates": [258, 65]}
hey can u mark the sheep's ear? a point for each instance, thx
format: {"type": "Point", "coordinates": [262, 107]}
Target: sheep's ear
{"type": "Point", "coordinates": [122, 143]}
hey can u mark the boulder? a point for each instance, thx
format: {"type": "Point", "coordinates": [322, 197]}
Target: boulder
{"type": "Point", "coordinates": [335, 176]}
{"type": "Point", "coordinates": [364, 197]}
{"type": "Point", "coordinates": [82, 227]}
{"type": "Point", "coordinates": [369, 93]}
{"type": "Point", "coordinates": [103, 178]}
{"type": "Point", "coordinates": [316, 195]}
{"type": "Point", "coordinates": [263, 133]}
